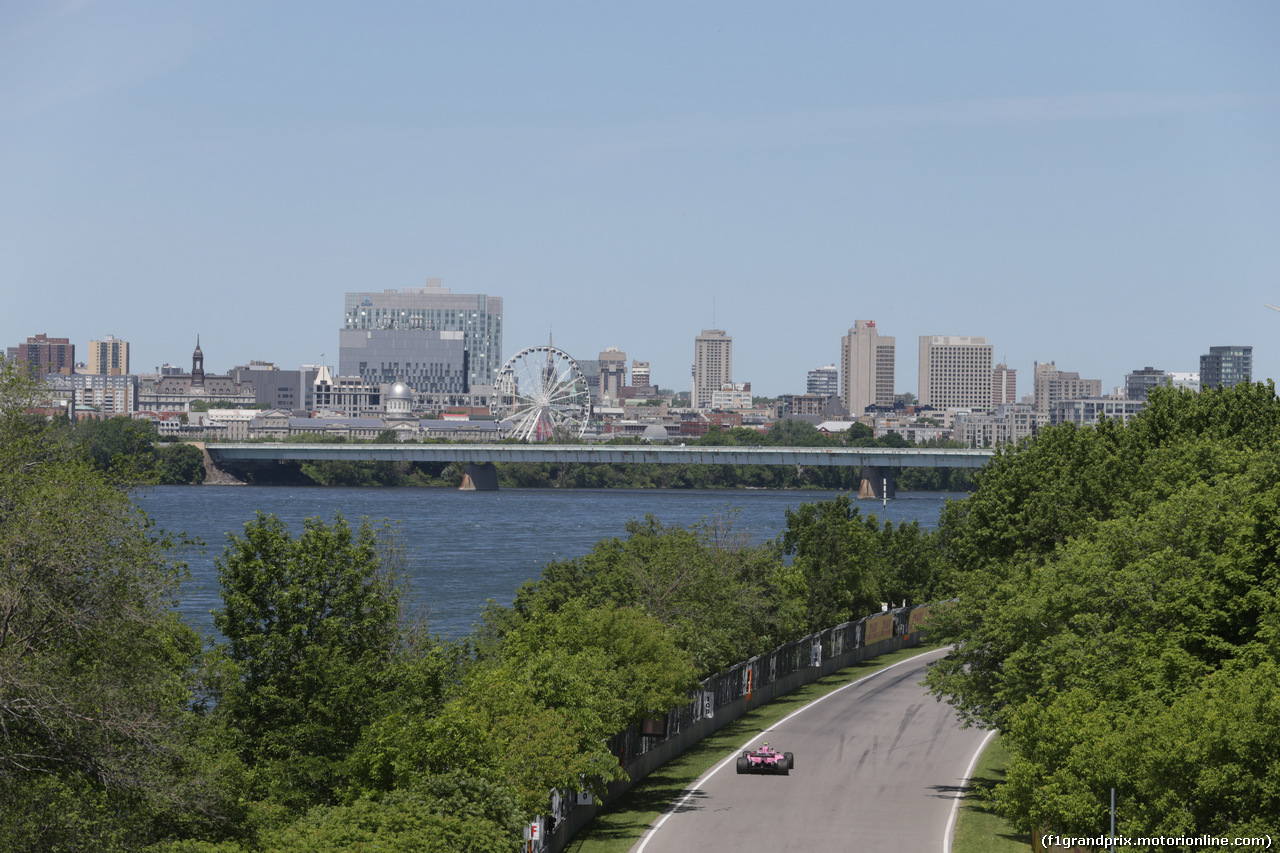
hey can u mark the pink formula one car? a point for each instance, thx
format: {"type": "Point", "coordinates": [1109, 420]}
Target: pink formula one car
{"type": "Point", "coordinates": [766, 759]}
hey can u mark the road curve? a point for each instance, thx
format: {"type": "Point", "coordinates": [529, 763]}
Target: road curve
{"type": "Point", "coordinates": [879, 764]}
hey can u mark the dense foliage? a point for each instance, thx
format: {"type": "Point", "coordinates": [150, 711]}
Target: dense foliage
{"type": "Point", "coordinates": [96, 750]}
{"type": "Point", "coordinates": [725, 598]}
{"type": "Point", "coordinates": [1119, 618]}
{"type": "Point", "coordinates": [133, 449]}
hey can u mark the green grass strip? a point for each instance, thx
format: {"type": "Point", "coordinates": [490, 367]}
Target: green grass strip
{"type": "Point", "coordinates": [620, 826]}
{"type": "Point", "coordinates": [978, 828]}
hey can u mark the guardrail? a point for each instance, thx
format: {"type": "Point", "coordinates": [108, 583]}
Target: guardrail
{"type": "Point", "coordinates": [725, 697]}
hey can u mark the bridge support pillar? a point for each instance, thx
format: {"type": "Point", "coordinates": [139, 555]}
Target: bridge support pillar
{"type": "Point", "coordinates": [875, 481]}
{"type": "Point", "coordinates": [480, 477]}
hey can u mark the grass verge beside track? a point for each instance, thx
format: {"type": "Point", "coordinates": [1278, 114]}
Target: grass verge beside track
{"type": "Point", "coordinates": [620, 826]}
{"type": "Point", "coordinates": [978, 828]}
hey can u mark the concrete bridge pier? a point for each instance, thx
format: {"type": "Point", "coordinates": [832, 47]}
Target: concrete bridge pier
{"type": "Point", "coordinates": [875, 480]}
{"type": "Point", "coordinates": [214, 475]}
{"type": "Point", "coordinates": [479, 477]}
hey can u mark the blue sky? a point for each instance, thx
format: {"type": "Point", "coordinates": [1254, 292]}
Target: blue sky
{"type": "Point", "coordinates": [1096, 184]}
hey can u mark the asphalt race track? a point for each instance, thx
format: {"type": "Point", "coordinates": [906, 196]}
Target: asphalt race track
{"type": "Point", "coordinates": [878, 766]}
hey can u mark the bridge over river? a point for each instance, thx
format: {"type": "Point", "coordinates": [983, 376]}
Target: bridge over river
{"type": "Point", "coordinates": [877, 463]}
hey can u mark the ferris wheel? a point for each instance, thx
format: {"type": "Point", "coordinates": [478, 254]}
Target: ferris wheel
{"type": "Point", "coordinates": [541, 391]}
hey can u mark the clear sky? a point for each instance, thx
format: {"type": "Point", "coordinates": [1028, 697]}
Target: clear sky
{"type": "Point", "coordinates": [1091, 183]}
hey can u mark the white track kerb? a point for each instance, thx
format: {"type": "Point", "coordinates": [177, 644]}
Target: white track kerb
{"type": "Point", "coordinates": [964, 788]}
{"type": "Point", "coordinates": [689, 792]}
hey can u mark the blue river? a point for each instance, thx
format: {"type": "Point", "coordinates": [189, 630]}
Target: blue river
{"type": "Point", "coordinates": [465, 548]}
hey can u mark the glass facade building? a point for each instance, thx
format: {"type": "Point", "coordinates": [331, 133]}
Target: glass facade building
{"type": "Point", "coordinates": [1226, 366]}
{"type": "Point", "coordinates": [434, 309]}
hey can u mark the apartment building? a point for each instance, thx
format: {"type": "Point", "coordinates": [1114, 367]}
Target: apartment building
{"type": "Point", "coordinates": [1052, 385]}
{"type": "Point", "coordinates": [109, 357]}
{"type": "Point", "coordinates": [1225, 367]}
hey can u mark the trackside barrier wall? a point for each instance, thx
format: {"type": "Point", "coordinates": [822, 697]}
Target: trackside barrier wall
{"type": "Point", "coordinates": [725, 697]}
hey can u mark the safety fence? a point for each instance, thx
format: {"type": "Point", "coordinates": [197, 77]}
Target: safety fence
{"type": "Point", "coordinates": [723, 698]}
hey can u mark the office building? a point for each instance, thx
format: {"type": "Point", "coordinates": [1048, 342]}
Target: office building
{"type": "Point", "coordinates": [955, 372]}
{"type": "Point", "coordinates": [613, 374]}
{"type": "Point", "coordinates": [433, 308]}
{"type": "Point", "coordinates": [867, 365]}
{"type": "Point", "coordinates": [286, 390]}
{"type": "Point", "coordinates": [823, 381]}
{"type": "Point", "coordinates": [1004, 386]}
{"type": "Point", "coordinates": [1052, 385]}
{"type": "Point", "coordinates": [109, 357]}
{"type": "Point", "coordinates": [640, 374]}
{"type": "Point", "coordinates": [712, 366]}
{"type": "Point", "coordinates": [427, 360]}
{"type": "Point", "coordinates": [1225, 367]}
{"type": "Point", "coordinates": [45, 355]}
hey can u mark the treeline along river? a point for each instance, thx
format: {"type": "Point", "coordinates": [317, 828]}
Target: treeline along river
{"type": "Point", "coordinates": [464, 548]}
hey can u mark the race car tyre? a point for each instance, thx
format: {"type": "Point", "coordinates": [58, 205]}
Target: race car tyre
{"type": "Point", "coordinates": [784, 767]}
{"type": "Point", "coordinates": [791, 759]}
{"type": "Point", "coordinates": [744, 766]}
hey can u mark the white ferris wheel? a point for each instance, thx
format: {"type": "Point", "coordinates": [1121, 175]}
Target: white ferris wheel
{"type": "Point", "coordinates": [541, 392]}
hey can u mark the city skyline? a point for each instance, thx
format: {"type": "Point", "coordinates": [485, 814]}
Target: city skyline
{"type": "Point", "coordinates": [1002, 376]}
{"type": "Point", "coordinates": [1083, 183]}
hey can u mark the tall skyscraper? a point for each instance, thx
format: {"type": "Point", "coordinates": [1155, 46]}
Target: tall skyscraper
{"type": "Point", "coordinates": [109, 357]}
{"type": "Point", "coordinates": [712, 365]}
{"type": "Point", "coordinates": [434, 308]}
{"type": "Point", "coordinates": [1224, 367]}
{"type": "Point", "coordinates": [1052, 385]}
{"type": "Point", "coordinates": [1004, 386]}
{"type": "Point", "coordinates": [955, 372]}
{"type": "Point", "coordinates": [867, 365]}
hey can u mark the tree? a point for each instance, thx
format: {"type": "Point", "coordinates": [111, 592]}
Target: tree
{"type": "Point", "coordinates": [859, 435]}
{"type": "Point", "coordinates": [311, 623]}
{"type": "Point", "coordinates": [121, 444]}
{"type": "Point", "coordinates": [179, 465]}
{"type": "Point", "coordinates": [790, 432]}
{"type": "Point", "coordinates": [1118, 591]}
{"type": "Point", "coordinates": [717, 591]}
{"type": "Point", "coordinates": [606, 666]}
{"type": "Point", "coordinates": [837, 552]}
{"type": "Point", "coordinates": [95, 666]}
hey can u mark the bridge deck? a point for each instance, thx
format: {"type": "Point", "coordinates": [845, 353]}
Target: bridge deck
{"type": "Point", "coordinates": [908, 457]}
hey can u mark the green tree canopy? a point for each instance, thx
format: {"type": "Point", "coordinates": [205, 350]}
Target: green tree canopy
{"type": "Point", "coordinates": [95, 666]}
{"type": "Point", "coordinates": [1119, 592]}
{"type": "Point", "coordinates": [311, 623]}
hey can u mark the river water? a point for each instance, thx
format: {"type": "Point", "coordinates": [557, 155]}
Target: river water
{"type": "Point", "coordinates": [467, 547]}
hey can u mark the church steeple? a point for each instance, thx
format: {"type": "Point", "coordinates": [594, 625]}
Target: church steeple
{"type": "Point", "coordinates": [197, 366]}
